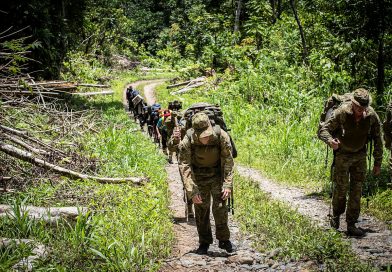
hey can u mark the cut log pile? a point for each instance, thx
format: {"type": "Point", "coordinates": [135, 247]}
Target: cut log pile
{"type": "Point", "coordinates": [59, 155]}
{"type": "Point", "coordinates": [41, 156]}
{"type": "Point", "coordinates": [189, 85]}
{"type": "Point", "coordinates": [26, 86]}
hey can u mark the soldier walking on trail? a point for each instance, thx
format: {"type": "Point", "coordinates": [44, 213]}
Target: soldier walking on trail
{"type": "Point", "coordinates": [347, 132]}
{"type": "Point", "coordinates": [176, 132]}
{"type": "Point", "coordinates": [387, 127]}
{"type": "Point", "coordinates": [206, 164]}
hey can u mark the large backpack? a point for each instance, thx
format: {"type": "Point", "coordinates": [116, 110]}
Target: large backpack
{"type": "Point", "coordinates": [175, 105]}
{"type": "Point", "coordinates": [215, 115]}
{"type": "Point", "coordinates": [332, 103]}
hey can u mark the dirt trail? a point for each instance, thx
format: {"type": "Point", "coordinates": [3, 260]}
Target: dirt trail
{"type": "Point", "coordinates": [183, 257]}
{"type": "Point", "coordinates": [148, 90]}
{"type": "Point", "coordinates": [375, 247]}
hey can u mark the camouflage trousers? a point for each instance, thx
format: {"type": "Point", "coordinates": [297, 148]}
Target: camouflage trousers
{"type": "Point", "coordinates": [349, 175]}
{"type": "Point", "coordinates": [211, 188]}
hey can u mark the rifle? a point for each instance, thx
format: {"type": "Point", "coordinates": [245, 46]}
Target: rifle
{"type": "Point", "coordinates": [368, 185]}
{"type": "Point", "coordinates": [230, 199]}
{"type": "Point", "coordinates": [230, 205]}
{"type": "Point", "coordinates": [332, 184]}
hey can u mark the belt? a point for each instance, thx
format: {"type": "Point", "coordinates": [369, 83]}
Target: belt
{"type": "Point", "coordinates": [216, 170]}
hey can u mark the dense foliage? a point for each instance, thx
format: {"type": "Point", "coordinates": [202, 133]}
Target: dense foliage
{"type": "Point", "coordinates": [353, 37]}
{"type": "Point", "coordinates": [276, 62]}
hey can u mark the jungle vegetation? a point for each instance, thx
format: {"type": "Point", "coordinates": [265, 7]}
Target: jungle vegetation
{"type": "Point", "coordinates": [275, 62]}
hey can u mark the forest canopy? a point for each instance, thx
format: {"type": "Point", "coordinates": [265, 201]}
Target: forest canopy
{"type": "Point", "coordinates": [349, 38]}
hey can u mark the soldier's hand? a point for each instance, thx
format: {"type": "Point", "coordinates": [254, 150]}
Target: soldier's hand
{"type": "Point", "coordinates": [196, 199]}
{"type": "Point", "coordinates": [376, 170]}
{"type": "Point", "coordinates": [226, 192]}
{"type": "Point", "coordinates": [177, 133]}
{"type": "Point", "coordinates": [334, 144]}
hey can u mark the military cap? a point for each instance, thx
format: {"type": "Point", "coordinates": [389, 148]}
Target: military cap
{"type": "Point", "coordinates": [201, 124]}
{"type": "Point", "coordinates": [361, 97]}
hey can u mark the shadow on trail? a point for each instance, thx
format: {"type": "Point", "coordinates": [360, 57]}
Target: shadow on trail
{"type": "Point", "coordinates": [179, 220]}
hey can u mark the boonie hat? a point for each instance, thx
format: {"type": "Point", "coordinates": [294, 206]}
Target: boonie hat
{"type": "Point", "coordinates": [361, 97]}
{"type": "Point", "coordinates": [201, 124]}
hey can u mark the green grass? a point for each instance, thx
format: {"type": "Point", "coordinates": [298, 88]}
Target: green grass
{"type": "Point", "coordinates": [274, 123]}
{"type": "Point", "coordinates": [128, 228]}
{"type": "Point", "coordinates": [277, 226]}
{"type": "Point", "coordinates": [278, 137]}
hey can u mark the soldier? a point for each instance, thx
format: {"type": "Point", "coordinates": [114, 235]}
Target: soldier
{"type": "Point", "coordinates": [130, 94]}
{"type": "Point", "coordinates": [387, 127]}
{"type": "Point", "coordinates": [176, 132]}
{"type": "Point", "coordinates": [206, 164]}
{"type": "Point", "coordinates": [347, 132]}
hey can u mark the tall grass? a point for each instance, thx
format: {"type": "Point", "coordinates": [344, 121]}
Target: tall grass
{"type": "Point", "coordinates": [277, 226]}
{"type": "Point", "coordinates": [128, 228]}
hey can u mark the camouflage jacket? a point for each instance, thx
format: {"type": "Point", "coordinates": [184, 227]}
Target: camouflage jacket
{"type": "Point", "coordinates": [387, 127]}
{"type": "Point", "coordinates": [198, 162]}
{"type": "Point", "coordinates": [353, 136]}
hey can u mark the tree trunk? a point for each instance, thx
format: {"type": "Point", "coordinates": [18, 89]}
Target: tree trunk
{"type": "Point", "coordinates": [380, 57]}
{"type": "Point", "coordinates": [279, 10]}
{"type": "Point", "coordinates": [237, 16]}
{"type": "Point", "coordinates": [301, 31]}
{"type": "Point", "coordinates": [273, 19]}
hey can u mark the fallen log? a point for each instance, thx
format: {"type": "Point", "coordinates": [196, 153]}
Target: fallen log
{"type": "Point", "coordinates": [22, 92]}
{"type": "Point", "coordinates": [188, 88]}
{"type": "Point", "coordinates": [28, 157]}
{"type": "Point", "coordinates": [14, 131]}
{"type": "Point", "coordinates": [5, 178]}
{"type": "Point", "coordinates": [48, 214]}
{"type": "Point", "coordinates": [95, 93]}
{"type": "Point", "coordinates": [27, 263]}
{"type": "Point", "coordinates": [43, 83]}
{"type": "Point", "coordinates": [186, 82]}
{"type": "Point", "coordinates": [26, 146]}
{"type": "Point", "coordinates": [38, 90]}
{"type": "Point", "coordinates": [25, 135]}
{"type": "Point", "coordinates": [92, 85]}
{"type": "Point", "coordinates": [6, 242]}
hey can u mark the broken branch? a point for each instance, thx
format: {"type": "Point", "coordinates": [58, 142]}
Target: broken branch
{"type": "Point", "coordinates": [26, 156]}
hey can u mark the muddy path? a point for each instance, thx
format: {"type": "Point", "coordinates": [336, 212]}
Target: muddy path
{"type": "Point", "coordinates": [375, 247]}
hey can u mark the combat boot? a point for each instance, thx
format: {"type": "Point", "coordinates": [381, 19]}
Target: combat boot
{"type": "Point", "coordinates": [227, 245]}
{"type": "Point", "coordinates": [335, 221]}
{"type": "Point", "coordinates": [203, 249]}
{"type": "Point", "coordinates": [190, 210]}
{"type": "Point", "coordinates": [352, 230]}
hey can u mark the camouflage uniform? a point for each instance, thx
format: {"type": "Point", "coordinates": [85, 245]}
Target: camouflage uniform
{"type": "Point", "coordinates": [206, 170]}
{"type": "Point", "coordinates": [387, 127]}
{"type": "Point", "coordinates": [172, 142]}
{"type": "Point", "coordinates": [173, 145]}
{"type": "Point", "coordinates": [350, 157]}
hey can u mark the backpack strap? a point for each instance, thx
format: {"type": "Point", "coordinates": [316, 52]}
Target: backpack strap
{"type": "Point", "coordinates": [217, 130]}
{"type": "Point", "coordinates": [189, 133]}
